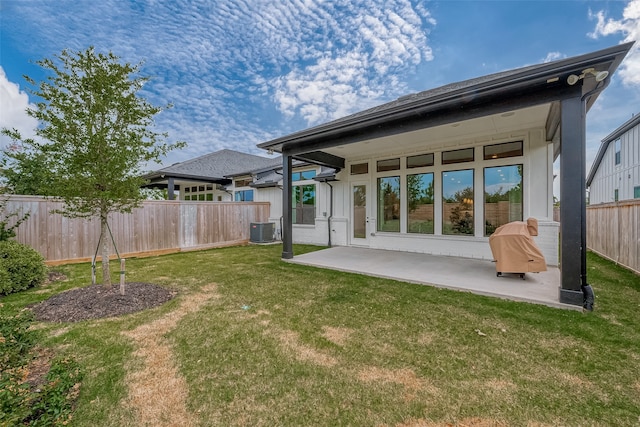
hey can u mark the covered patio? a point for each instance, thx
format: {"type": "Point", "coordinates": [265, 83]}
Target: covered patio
{"type": "Point", "coordinates": [462, 274]}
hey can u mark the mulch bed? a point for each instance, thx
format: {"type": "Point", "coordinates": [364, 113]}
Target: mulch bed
{"type": "Point", "coordinates": [97, 301]}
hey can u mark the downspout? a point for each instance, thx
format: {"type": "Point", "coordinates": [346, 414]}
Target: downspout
{"type": "Point", "coordinates": [587, 291]}
{"type": "Point", "coordinates": [280, 187]}
{"type": "Point", "coordinates": [330, 210]}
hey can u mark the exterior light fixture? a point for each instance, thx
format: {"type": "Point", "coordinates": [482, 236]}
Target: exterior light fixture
{"type": "Point", "coordinates": [599, 76]}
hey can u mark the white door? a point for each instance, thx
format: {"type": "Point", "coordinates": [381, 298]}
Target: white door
{"type": "Point", "coordinates": [359, 214]}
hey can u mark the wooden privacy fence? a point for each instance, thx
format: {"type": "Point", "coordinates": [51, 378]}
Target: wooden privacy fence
{"type": "Point", "coordinates": [154, 228]}
{"type": "Point", "coordinates": [613, 231]}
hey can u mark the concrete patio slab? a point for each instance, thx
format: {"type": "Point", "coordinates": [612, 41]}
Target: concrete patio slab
{"type": "Point", "coordinates": [464, 274]}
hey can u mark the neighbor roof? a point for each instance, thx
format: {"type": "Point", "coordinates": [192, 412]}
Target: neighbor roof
{"type": "Point", "coordinates": [632, 122]}
{"type": "Point", "coordinates": [212, 167]}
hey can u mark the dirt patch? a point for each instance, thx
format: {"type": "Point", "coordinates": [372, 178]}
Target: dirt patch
{"type": "Point", "coordinates": [467, 422]}
{"type": "Point", "coordinates": [338, 336]}
{"type": "Point", "coordinates": [96, 302]}
{"type": "Point", "coordinates": [54, 276]}
{"type": "Point", "coordinates": [405, 377]}
{"type": "Point", "coordinates": [291, 341]}
{"type": "Point", "coordinates": [157, 392]}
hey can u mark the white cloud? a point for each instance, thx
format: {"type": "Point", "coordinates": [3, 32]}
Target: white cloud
{"type": "Point", "coordinates": [553, 56]}
{"type": "Point", "coordinates": [13, 106]}
{"type": "Point", "coordinates": [360, 68]}
{"type": "Point", "coordinates": [228, 64]}
{"type": "Point", "coordinates": [629, 27]}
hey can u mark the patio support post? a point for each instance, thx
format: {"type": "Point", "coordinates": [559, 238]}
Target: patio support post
{"type": "Point", "coordinates": [573, 200]}
{"type": "Point", "coordinates": [170, 188]}
{"type": "Point", "coordinates": [287, 203]}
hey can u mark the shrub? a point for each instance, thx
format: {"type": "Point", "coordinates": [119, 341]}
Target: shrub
{"type": "Point", "coordinates": [21, 267]}
{"type": "Point", "coordinates": [21, 404]}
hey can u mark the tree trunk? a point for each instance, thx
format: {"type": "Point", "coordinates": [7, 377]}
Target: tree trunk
{"type": "Point", "coordinates": [104, 238]}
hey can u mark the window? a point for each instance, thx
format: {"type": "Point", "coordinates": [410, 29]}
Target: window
{"type": "Point", "coordinates": [500, 151]}
{"type": "Point", "coordinates": [389, 204]}
{"type": "Point", "coordinates": [615, 195]}
{"type": "Point", "coordinates": [636, 192]}
{"type": "Point", "coordinates": [304, 204]}
{"type": "Point", "coordinates": [244, 196]}
{"type": "Point", "coordinates": [420, 160]}
{"type": "Point", "coordinates": [388, 165]}
{"type": "Point", "coordinates": [360, 169]}
{"type": "Point", "coordinates": [243, 182]}
{"type": "Point", "coordinates": [304, 175]}
{"type": "Point", "coordinates": [187, 197]}
{"type": "Point", "coordinates": [502, 196]}
{"type": "Point", "coordinates": [618, 147]}
{"type": "Point", "coordinates": [457, 156]}
{"type": "Point", "coordinates": [420, 203]}
{"type": "Point", "coordinates": [457, 202]}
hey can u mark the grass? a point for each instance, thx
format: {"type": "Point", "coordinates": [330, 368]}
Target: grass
{"type": "Point", "coordinates": [289, 345]}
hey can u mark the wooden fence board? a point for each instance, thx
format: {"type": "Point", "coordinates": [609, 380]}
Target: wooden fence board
{"type": "Point", "coordinates": [155, 227]}
{"type": "Point", "coordinates": [613, 231]}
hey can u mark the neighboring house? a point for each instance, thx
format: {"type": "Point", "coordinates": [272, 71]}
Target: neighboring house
{"type": "Point", "coordinates": [437, 171]}
{"type": "Point", "coordinates": [205, 178]}
{"type": "Point", "coordinates": [615, 173]}
{"type": "Point", "coordinates": [265, 185]}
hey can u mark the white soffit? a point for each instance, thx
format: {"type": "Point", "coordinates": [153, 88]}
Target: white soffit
{"type": "Point", "coordinates": [450, 134]}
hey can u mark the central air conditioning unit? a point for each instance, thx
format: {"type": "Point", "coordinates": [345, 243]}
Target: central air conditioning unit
{"type": "Point", "coordinates": [261, 232]}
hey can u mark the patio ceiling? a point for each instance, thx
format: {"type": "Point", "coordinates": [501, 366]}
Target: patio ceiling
{"type": "Point", "coordinates": [448, 135]}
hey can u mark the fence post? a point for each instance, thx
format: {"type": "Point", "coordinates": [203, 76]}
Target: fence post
{"type": "Point", "coordinates": [122, 276]}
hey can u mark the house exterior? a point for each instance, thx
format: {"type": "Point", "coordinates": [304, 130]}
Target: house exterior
{"type": "Point", "coordinates": [437, 171]}
{"type": "Point", "coordinates": [204, 178]}
{"type": "Point", "coordinates": [615, 173]}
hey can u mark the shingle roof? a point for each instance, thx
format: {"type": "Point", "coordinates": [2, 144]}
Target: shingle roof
{"type": "Point", "coordinates": [450, 95]}
{"type": "Point", "coordinates": [216, 165]}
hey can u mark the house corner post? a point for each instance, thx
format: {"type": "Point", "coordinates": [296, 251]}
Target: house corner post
{"type": "Point", "coordinates": [287, 228]}
{"type": "Point", "coordinates": [170, 188]}
{"type": "Point", "coordinates": [573, 201]}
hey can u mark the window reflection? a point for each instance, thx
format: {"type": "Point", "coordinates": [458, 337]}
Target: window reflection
{"type": "Point", "coordinates": [457, 202]}
{"type": "Point", "coordinates": [420, 203]}
{"type": "Point", "coordinates": [502, 196]}
{"type": "Point", "coordinates": [389, 204]}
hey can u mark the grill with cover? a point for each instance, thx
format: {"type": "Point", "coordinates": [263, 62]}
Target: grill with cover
{"type": "Point", "coordinates": [515, 251]}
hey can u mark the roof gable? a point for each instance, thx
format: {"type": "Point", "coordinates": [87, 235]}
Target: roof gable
{"type": "Point", "coordinates": [216, 165]}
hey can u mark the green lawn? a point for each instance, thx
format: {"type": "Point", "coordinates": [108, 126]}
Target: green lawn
{"type": "Point", "coordinates": [280, 344]}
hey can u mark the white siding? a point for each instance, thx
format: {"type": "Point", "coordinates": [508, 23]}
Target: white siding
{"type": "Point", "coordinates": [624, 176]}
{"type": "Point", "coordinates": [537, 201]}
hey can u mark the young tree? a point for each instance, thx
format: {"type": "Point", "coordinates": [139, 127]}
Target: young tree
{"type": "Point", "coordinates": [24, 171]}
{"type": "Point", "coordinates": [96, 135]}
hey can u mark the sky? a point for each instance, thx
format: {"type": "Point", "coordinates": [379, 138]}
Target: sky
{"type": "Point", "coordinates": [242, 72]}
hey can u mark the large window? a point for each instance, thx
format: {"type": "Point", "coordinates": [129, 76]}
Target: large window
{"type": "Point", "coordinates": [457, 202]}
{"type": "Point", "coordinates": [389, 204]}
{"type": "Point", "coordinates": [420, 203]}
{"type": "Point", "coordinates": [243, 196]}
{"type": "Point", "coordinates": [502, 196]}
{"type": "Point", "coordinates": [304, 204]}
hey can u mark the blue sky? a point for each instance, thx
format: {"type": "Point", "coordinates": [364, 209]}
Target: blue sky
{"type": "Point", "coordinates": [243, 72]}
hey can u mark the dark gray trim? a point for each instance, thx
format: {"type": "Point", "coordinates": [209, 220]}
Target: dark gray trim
{"type": "Point", "coordinates": [572, 192]}
{"type": "Point", "coordinates": [170, 189]}
{"type": "Point", "coordinates": [160, 177]}
{"type": "Point", "coordinates": [510, 86]}
{"type": "Point", "coordinates": [322, 159]}
{"type": "Point", "coordinates": [287, 227]}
